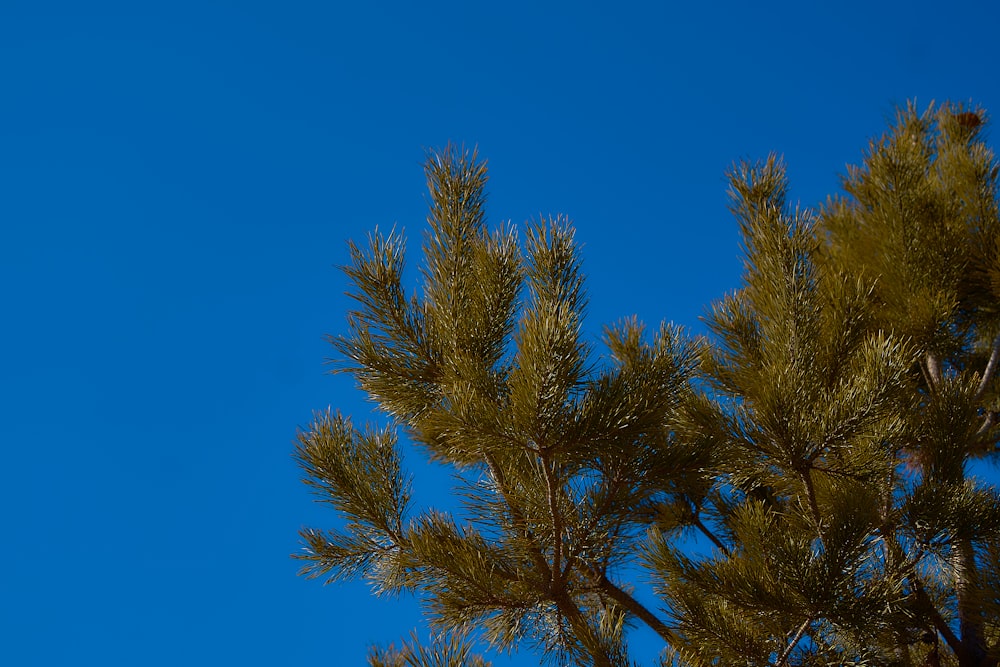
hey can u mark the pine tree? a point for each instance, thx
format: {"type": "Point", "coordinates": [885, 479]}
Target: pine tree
{"type": "Point", "coordinates": [818, 444]}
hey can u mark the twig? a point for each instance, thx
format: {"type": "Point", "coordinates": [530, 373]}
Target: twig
{"type": "Point", "coordinates": [795, 640]}
{"type": "Point", "coordinates": [705, 531]}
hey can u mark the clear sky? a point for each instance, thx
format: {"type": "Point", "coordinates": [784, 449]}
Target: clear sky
{"type": "Point", "coordinates": [178, 181]}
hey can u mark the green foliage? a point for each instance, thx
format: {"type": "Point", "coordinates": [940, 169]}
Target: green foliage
{"type": "Point", "coordinates": [818, 444]}
{"type": "Point", "coordinates": [450, 651]}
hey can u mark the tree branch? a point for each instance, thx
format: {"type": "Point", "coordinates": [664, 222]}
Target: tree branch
{"type": "Point", "coordinates": [783, 658]}
{"type": "Point", "coordinates": [813, 504]}
{"type": "Point", "coordinates": [696, 518]}
{"type": "Point", "coordinates": [908, 570]}
{"type": "Point", "coordinates": [988, 422]}
{"type": "Point", "coordinates": [550, 489]}
{"type": "Point", "coordinates": [991, 369]}
{"type": "Point", "coordinates": [630, 604]}
{"type": "Point", "coordinates": [933, 370]}
{"type": "Point", "coordinates": [939, 623]}
{"type": "Point", "coordinates": [970, 620]}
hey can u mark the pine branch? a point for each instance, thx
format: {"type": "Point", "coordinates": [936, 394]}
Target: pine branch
{"type": "Point", "coordinates": [456, 363]}
{"type": "Point", "coordinates": [939, 623]}
{"type": "Point", "coordinates": [970, 620]}
{"type": "Point", "coordinates": [629, 603]}
{"type": "Point", "coordinates": [989, 421]}
{"type": "Point", "coordinates": [695, 518]}
{"type": "Point", "coordinates": [933, 365]}
{"type": "Point", "coordinates": [783, 658]}
{"type": "Point", "coordinates": [550, 489]}
{"type": "Point", "coordinates": [813, 504]}
{"type": "Point", "coordinates": [991, 368]}
{"type": "Point", "coordinates": [896, 554]}
{"type": "Point", "coordinates": [708, 533]}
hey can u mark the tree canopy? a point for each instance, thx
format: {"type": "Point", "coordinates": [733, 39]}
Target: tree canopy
{"type": "Point", "coordinates": [818, 443]}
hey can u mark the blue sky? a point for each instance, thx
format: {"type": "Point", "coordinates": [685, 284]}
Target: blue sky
{"type": "Point", "coordinates": [178, 181]}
